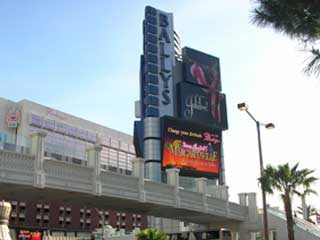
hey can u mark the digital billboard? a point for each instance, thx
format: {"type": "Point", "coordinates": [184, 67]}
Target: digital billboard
{"type": "Point", "coordinates": [202, 69]}
{"type": "Point", "coordinates": [193, 148]}
{"type": "Point", "coordinates": [24, 234]}
{"type": "Point", "coordinates": [196, 104]}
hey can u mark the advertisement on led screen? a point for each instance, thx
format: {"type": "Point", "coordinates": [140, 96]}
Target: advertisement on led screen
{"type": "Point", "coordinates": [201, 89]}
{"type": "Point", "coordinates": [25, 234]}
{"type": "Point", "coordinates": [201, 68]}
{"type": "Point", "coordinates": [190, 147]}
{"type": "Point", "coordinates": [195, 103]}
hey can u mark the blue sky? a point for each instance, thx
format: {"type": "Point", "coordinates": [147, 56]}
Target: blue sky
{"type": "Point", "coordinates": [82, 57]}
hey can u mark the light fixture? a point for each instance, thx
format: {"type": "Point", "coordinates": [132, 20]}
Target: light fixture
{"type": "Point", "coordinates": [242, 107]}
{"type": "Point", "coordinates": [270, 126]}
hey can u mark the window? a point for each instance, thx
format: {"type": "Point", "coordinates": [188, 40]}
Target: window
{"type": "Point", "coordinates": [56, 156]}
{"type": "Point", "coordinates": [76, 161]}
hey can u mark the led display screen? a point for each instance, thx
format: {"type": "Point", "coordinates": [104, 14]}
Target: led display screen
{"type": "Point", "coordinates": [202, 69]}
{"type": "Point", "coordinates": [195, 103]}
{"type": "Point", "coordinates": [193, 148]}
{"type": "Point", "coordinates": [24, 234]}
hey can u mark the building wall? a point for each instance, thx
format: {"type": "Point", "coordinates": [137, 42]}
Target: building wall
{"type": "Point", "coordinates": [57, 216]}
{"type": "Point", "coordinates": [6, 134]}
{"type": "Point", "coordinates": [117, 153]}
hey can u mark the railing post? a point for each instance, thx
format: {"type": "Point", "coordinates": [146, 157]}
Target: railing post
{"type": "Point", "coordinates": [138, 171]}
{"type": "Point", "coordinates": [243, 199]}
{"type": "Point", "coordinates": [173, 180]}
{"type": "Point", "coordinates": [94, 161]}
{"type": "Point", "coordinates": [37, 149]}
{"type": "Point", "coordinates": [252, 207]}
{"type": "Point", "coordinates": [201, 187]}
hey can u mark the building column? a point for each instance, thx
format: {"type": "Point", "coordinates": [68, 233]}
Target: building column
{"type": "Point", "coordinates": [201, 187]}
{"type": "Point", "coordinates": [234, 236]}
{"type": "Point", "coordinates": [173, 180]}
{"type": "Point", "coordinates": [94, 161]}
{"type": "Point", "coordinates": [252, 207]}
{"type": "Point", "coordinates": [138, 171]}
{"type": "Point", "coordinates": [243, 199]}
{"type": "Point", "coordinates": [37, 150]}
{"type": "Point", "coordinates": [173, 176]}
{"type": "Point", "coordinates": [152, 152]}
{"type": "Point", "coordinates": [165, 224]}
{"type": "Point", "coordinates": [138, 168]}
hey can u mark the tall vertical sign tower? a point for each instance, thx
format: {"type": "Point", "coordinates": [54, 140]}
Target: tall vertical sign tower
{"type": "Point", "coordinates": [181, 108]}
{"type": "Point", "coordinates": [156, 84]}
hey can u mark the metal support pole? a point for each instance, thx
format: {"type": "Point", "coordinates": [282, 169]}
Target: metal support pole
{"type": "Point", "coordinates": [103, 225]}
{"type": "Point", "coordinates": [264, 204]}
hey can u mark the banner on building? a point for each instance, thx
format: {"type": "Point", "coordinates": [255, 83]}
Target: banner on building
{"type": "Point", "coordinates": [13, 118]}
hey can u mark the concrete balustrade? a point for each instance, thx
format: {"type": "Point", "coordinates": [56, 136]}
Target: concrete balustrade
{"type": "Point", "coordinates": [201, 187]}
{"type": "Point", "coordinates": [84, 183]}
{"type": "Point", "coordinates": [37, 149]}
{"type": "Point", "coordinates": [173, 180]}
{"type": "Point", "coordinates": [94, 161]}
{"type": "Point", "coordinates": [138, 171]}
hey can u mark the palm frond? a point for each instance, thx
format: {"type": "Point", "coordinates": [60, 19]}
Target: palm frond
{"type": "Point", "coordinates": [313, 67]}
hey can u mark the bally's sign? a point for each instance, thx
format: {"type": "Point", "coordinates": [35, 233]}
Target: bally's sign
{"type": "Point", "coordinates": [158, 63]}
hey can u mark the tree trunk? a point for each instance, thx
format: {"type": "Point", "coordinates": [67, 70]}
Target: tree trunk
{"type": "Point", "coordinates": [288, 211]}
{"type": "Point", "coordinates": [304, 207]}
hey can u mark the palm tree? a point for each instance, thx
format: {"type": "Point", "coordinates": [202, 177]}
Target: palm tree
{"type": "Point", "coordinates": [286, 180]}
{"type": "Point", "coordinates": [151, 234]}
{"type": "Point", "coordinates": [307, 213]}
{"type": "Point", "coordinates": [296, 19]}
{"type": "Point", "coordinates": [302, 194]}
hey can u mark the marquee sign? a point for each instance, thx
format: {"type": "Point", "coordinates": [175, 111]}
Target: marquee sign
{"type": "Point", "coordinates": [192, 148]}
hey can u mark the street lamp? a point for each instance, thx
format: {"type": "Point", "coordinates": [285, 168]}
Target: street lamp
{"type": "Point", "coordinates": [244, 107]}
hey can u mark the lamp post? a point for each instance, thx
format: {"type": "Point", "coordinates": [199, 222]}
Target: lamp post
{"type": "Point", "coordinates": [244, 107]}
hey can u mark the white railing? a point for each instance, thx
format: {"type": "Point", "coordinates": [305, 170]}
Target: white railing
{"type": "Point", "coordinates": [159, 193]}
{"type": "Point", "coordinates": [13, 160]}
{"type": "Point", "coordinates": [16, 168]}
{"type": "Point", "coordinates": [119, 185]}
{"type": "Point", "coordinates": [21, 170]}
{"type": "Point", "coordinates": [68, 176]}
{"type": "Point", "coordinates": [219, 192]}
{"type": "Point", "coordinates": [191, 200]}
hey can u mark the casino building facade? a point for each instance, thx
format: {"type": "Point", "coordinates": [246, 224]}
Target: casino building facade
{"type": "Point", "coordinates": [67, 139]}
